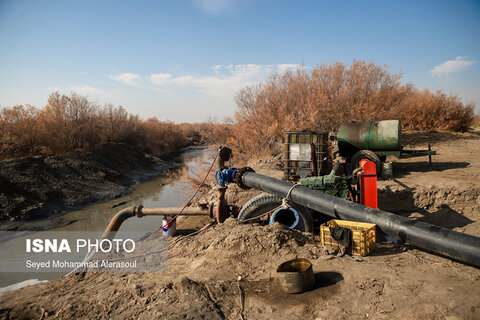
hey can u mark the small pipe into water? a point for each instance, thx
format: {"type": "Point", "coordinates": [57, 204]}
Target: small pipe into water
{"type": "Point", "coordinates": [139, 211]}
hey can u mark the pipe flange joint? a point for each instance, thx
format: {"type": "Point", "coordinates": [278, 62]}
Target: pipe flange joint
{"type": "Point", "coordinates": [138, 211]}
{"type": "Point", "coordinates": [239, 174]}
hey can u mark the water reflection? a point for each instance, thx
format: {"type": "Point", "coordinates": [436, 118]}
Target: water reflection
{"type": "Point", "coordinates": [163, 190]}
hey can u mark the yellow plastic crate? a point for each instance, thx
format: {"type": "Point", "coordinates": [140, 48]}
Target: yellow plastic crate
{"type": "Point", "coordinates": [364, 236]}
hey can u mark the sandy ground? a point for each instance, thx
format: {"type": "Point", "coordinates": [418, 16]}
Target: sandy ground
{"type": "Point", "coordinates": [448, 195]}
{"type": "Point", "coordinates": [202, 282]}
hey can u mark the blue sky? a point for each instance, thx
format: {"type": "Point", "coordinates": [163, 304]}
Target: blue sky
{"type": "Point", "coordinates": [185, 60]}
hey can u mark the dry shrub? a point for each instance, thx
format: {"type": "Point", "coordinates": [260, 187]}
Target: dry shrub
{"type": "Point", "coordinates": [162, 137]}
{"type": "Point", "coordinates": [68, 123]}
{"type": "Point", "coordinates": [315, 99]}
{"type": "Point", "coordinates": [327, 95]}
{"type": "Point", "coordinates": [476, 122]}
{"type": "Point", "coordinates": [120, 126]}
{"type": "Point", "coordinates": [19, 131]}
{"type": "Point", "coordinates": [215, 133]}
{"type": "Point", "coordinates": [73, 123]}
{"type": "Point", "coordinates": [429, 111]}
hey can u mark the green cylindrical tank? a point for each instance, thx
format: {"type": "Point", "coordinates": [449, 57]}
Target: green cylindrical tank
{"type": "Point", "coordinates": [372, 135]}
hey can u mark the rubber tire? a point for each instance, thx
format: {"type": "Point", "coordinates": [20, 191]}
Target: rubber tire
{"type": "Point", "coordinates": [265, 202]}
{"type": "Point", "coordinates": [366, 154]}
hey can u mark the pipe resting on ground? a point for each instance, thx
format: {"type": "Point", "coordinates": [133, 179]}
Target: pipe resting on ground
{"type": "Point", "coordinates": [453, 244]}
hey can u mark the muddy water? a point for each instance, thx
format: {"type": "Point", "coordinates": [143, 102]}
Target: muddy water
{"type": "Point", "coordinates": [159, 191]}
{"type": "Point", "coordinates": [163, 190]}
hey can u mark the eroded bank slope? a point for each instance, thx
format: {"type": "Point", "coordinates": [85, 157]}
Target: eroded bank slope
{"type": "Point", "coordinates": [36, 187]}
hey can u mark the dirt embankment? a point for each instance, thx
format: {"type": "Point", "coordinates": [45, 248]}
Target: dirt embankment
{"type": "Point", "coordinates": [393, 282]}
{"type": "Point", "coordinates": [35, 187]}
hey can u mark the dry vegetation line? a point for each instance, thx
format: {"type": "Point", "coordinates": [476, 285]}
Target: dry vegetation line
{"type": "Point", "coordinates": [324, 96]}
{"type": "Point", "coordinates": [319, 98]}
{"type": "Point", "coordinates": [69, 124]}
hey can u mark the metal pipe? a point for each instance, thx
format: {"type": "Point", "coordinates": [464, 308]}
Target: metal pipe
{"type": "Point", "coordinates": [117, 221]}
{"type": "Point", "coordinates": [221, 213]}
{"type": "Point", "coordinates": [453, 244]}
{"type": "Point", "coordinates": [188, 211]}
{"type": "Point", "coordinates": [126, 213]}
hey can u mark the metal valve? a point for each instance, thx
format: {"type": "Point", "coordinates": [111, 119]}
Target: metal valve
{"type": "Point", "coordinates": [225, 176]}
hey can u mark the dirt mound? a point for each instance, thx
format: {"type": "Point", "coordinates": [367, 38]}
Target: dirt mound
{"type": "Point", "coordinates": [235, 239]}
{"type": "Point", "coordinates": [228, 270]}
{"type": "Point", "coordinates": [431, 198]}
{"type": "Point", "coordinates": [201, 282]}
{"type": "Point", "coordinates": [34, 187]}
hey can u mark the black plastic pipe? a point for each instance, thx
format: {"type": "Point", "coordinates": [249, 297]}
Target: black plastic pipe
{"type": "Point", "coordinates": [453, 244]}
